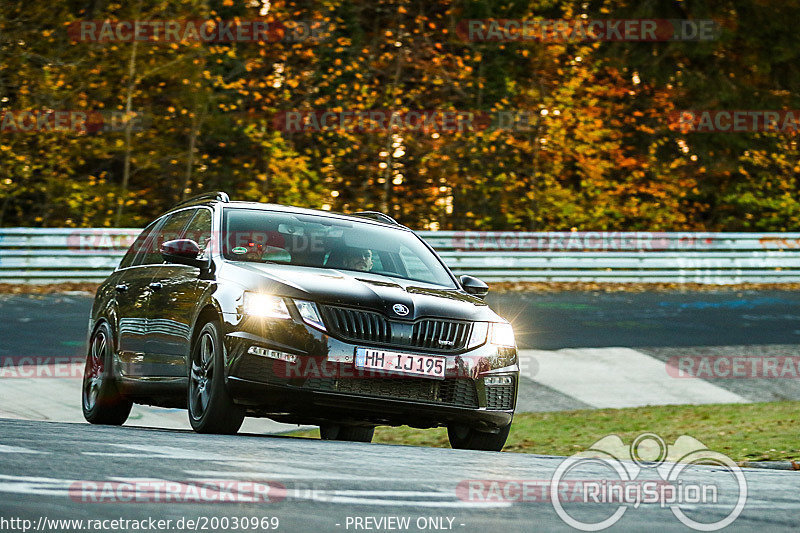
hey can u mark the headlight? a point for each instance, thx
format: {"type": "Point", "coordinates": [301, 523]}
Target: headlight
{"type": "Point", "coordinates": [502, 334]}
{"type": "Point", "coordinates": [478, 336]}
{"type": "Point", "coordinates": [265, 305]}
{"type": "Point", "coordinates": [310, 313]}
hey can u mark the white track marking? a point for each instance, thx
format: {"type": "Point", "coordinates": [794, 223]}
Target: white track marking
{"type": "Point", "coordinates": [18, 449]}
{"type": "Point", "coordinates": [401, 503]}
{"type": "Point", "coordinates": [397, 498]}
{"type": "Point", "coordinates": [160, 452]}
{"type": "Point", "coordinates": [58, 399]}
{"type": "Point", "coordinates": [619, 377]}
{"type": "Point", "coordinates": [34, 485]}
{"type": "Point", "coordinates": [286, 473]}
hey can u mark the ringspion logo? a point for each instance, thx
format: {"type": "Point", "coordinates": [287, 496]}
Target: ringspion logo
{"type": "Point", "coordinates": [648, 454]}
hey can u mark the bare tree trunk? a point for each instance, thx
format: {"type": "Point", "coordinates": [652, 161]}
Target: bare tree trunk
{"type": "Point", "coordinates": [532, 224]}
{"type": "Point", "coordinates": [6, 201]}
{"type": "Point", "coordinates": [387, 184]}
{"type": "Point", "coordinates": [126, 172]}
{"type": "Point", "coordinates": [193, 134]}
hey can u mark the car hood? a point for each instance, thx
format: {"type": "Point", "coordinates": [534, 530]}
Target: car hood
{"type": "Point", "coordinates": [364, 290]}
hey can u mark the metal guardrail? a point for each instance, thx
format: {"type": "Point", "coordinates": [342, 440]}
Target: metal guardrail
{"type": "Point", "coordinates": [34, 255]}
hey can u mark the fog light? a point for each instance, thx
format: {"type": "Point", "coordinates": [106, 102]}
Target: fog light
{"type": "Point", "coordinates": [498, 380]}
{"type": "Point", "coordinates": [272, 354]}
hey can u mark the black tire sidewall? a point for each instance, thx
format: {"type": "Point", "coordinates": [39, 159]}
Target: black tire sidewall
{"type": "Point", "coordinates": [221, 414]}
{"type": "Point", "coordinates": [346, 433]}
{"type": "Point", "coordinates": [329, 431]}
{"type": "Point", "coordinates": [464, 438]}
{"type": "Point", "coordinates": [110, 406]}
{"type": "Point", "coordinates": [356, 433]}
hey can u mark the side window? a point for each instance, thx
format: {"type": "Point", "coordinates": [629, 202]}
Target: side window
{"type": "Point", "coordinates": [171, 229]}
{"type": "Point", "coordinates": [137, 246]}
{"type": "Point", "coordinates": [199, 230]}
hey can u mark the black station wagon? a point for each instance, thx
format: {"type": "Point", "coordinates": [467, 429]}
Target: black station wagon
{"type": "Point", "coordinates": [235, 309]}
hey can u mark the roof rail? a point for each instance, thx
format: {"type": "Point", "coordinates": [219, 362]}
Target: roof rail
{"type": "Point", "coordinates": [216, 195]}
{"type": "Point", "coordinates": [377, 215]}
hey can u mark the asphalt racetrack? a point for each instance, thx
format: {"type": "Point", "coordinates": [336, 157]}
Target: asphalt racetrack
{"type": "Point", "coordinates": [57, 471]}
{"type": "Point", "coordinates": [51, 470]}
{"type": "Point", "coordinates": [544, 321]}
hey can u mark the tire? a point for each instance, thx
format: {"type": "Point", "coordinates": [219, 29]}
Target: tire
{"type": "Point", "coordinates": [211, 408]}
{"type": "Point", "coordinates": [466, 438]}
{"type": "Point", "coordinates": [101, 401]}
{"type": "Point", "coordinates": [348, 433]}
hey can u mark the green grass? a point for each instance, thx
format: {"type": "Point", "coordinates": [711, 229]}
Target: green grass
{"type": "Point", "coordinates": [744, 432]}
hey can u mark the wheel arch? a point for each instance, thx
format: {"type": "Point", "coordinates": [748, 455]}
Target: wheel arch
{"type": "Point", "coordinates": [114, 340]}
{"type": "Point", "coordinates": [209, 312]}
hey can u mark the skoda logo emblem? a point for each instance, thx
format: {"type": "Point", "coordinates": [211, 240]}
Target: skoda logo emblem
{"type": "Point", "coordinates": [400, 309]}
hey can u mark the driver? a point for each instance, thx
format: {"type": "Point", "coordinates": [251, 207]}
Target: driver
{"type": "Point", "coordinates": [357, 259]}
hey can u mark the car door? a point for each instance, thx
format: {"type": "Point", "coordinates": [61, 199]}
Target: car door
{"type": "Point", "coordinates": [176, 291]}
{"type": "Point", "coordinates": [132, 302]}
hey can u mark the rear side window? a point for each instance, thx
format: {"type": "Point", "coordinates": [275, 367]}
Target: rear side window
{"type": "Point", "coordinates": [172, 228]}
{"type": "Point", "coordinates": [137, 245]}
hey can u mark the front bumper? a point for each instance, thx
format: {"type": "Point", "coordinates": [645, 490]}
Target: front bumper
{"type": "Point", "coordinates": [299, 405]}
{"type": "Point", "coordinates": [323, 385]}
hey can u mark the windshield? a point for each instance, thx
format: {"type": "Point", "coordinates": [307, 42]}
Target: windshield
{"type": "Point", "coordinates": [261, 236]}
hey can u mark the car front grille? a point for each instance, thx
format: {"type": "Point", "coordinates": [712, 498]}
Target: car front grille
{"type": "Point", "coordinates": [500, 397]}
{"type": "Point", "coordinates": [431, 334]}
{"type": "Point", "coordinates": [441, 334]}
{"type": "Point", "coordinates": [453, 392]}
{"type": "Point", "coordinates": [359, 325]}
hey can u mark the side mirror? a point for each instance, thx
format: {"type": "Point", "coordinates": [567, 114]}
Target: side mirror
{"type": "Point", "coordinates": [183, 252]}
{"type": "Point", "coordinates": [474, 286]}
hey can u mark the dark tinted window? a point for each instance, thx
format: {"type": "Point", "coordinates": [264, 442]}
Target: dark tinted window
{"type": "Point", "coordinates": [172, 228]}
{"type": "Point", "coordinates": [137, 245]}
{"type": "Point", "coordinates": [328, 242]}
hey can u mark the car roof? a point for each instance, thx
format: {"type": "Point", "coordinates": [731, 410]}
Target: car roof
{"type": "Point", "coordinates": [211, 202]}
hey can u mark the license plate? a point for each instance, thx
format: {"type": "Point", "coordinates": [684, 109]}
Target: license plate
{"type": "Point", "coordinates": [430, 366]}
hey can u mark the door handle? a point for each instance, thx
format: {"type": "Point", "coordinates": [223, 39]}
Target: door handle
{"type": "Point", "coordinates": [121, 287]}
{"type": "Point", "coordinates": [156, 286]}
